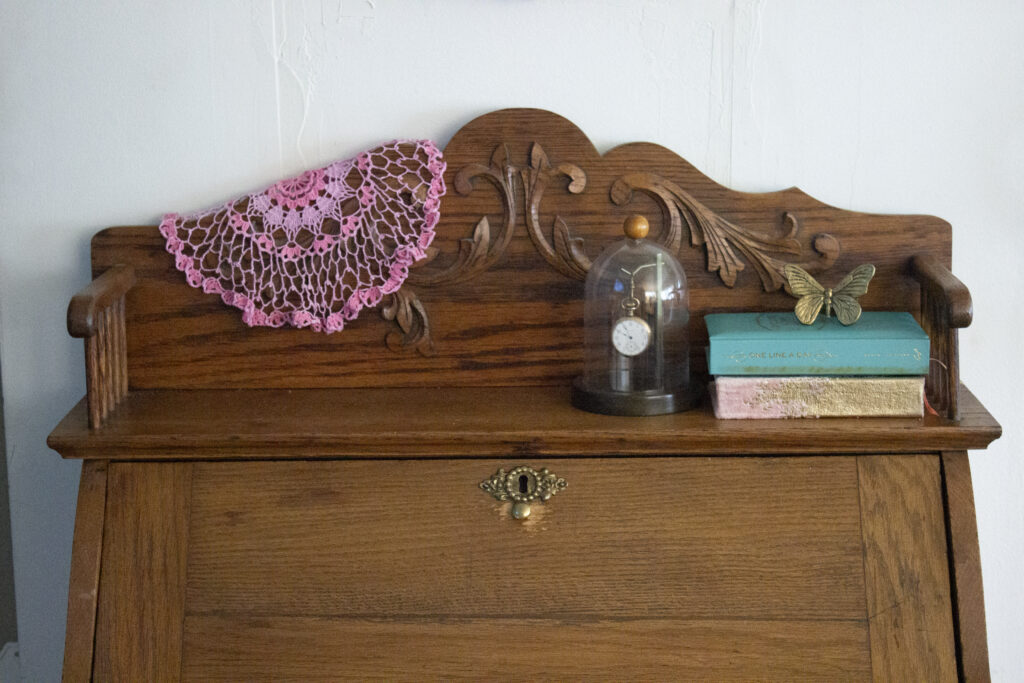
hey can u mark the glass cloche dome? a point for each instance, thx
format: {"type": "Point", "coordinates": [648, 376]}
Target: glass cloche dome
{"type": "Point", "coordinates": [636, 314]}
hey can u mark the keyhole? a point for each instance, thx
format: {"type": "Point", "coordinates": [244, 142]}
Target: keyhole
{"type": "Point", "coordinates": [524, 483]}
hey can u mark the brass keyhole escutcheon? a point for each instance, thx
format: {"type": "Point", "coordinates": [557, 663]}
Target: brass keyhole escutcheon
{"type": "Point", "coordinates": [524, 486]}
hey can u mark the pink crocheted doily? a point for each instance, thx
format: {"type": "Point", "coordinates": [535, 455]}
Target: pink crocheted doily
{"type": "Point", "coordinates": [312, 251]}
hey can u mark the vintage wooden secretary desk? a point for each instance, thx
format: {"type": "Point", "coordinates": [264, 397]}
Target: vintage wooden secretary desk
{"type": "Point", "coordinates": [281, 504]}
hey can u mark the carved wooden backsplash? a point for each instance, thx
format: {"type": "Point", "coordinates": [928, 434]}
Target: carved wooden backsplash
{"type": "Point", "coordinates": [531, 203]}
{"type": "Point", "coordinates": [728, 247]}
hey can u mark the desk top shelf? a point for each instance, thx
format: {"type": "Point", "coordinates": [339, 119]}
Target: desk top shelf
{"type": "Point", "coordinates": [470, 422]}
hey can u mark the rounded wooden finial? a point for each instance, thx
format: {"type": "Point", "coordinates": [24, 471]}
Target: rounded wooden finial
{"type": "Point", "coordinates": [636, 227]}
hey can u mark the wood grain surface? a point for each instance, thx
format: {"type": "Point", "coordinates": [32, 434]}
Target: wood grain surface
{"type": "Point", "coordinates": [511, 316]}
{"type": "Point", "coordinates": [965, 565]}
{"type": "Point", "coordinates": [906, 570]}
{"type": "Point", "coordinates": [88, 305]}
{"type": "Point", "coordinates": [820, 567]}
{"type": "Point", "coordinates": [945, 306]}
{"type": "Point", "coordinates": [471, 422]}
{"type": "Point", "coordinates": [83, 588]}
{"type": "Point", "coordinates": [142, 581]}
{"type": "Point", "coordinates": [664, 568]}
{"type": "Point", "coordinates": [687, 538]}
{"type": "Point", "coordinates": [297, 648]}
{"type": "Point", "coordinates": [320, 516]}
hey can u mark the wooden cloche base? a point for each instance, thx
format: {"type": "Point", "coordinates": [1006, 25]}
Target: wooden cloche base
{"type": "Point", "coordinates": [634, 403]}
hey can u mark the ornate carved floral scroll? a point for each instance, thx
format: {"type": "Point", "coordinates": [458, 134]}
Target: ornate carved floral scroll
{"type": "Point", "coordinates": [404, 308]}
{"type": "Point", "coordinates": [721, 238]}
{"type": "Point", "coordinates": [566, 253]}
{"type": "Point", "coordinates": [729, 247]}
{"type": "Point", "coordinates": [479, 252]}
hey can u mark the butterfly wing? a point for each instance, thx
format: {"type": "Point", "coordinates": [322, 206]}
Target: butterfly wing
{"type": "Point", "coordinates": [812, 294]}
{"type": "Point", "coordinates": [800, 281]}
{"type": "Point", "coordinates": [856, 283]}
{"type": "Point", "coordinates": [846, 293]}
{"type": "Point", "coordinates": [847, 309]}
{"type": "Point", "coordinates": [808, 307]}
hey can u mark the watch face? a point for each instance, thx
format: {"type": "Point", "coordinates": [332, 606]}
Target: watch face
{"type": "Point", "coordinates": [631, 336]}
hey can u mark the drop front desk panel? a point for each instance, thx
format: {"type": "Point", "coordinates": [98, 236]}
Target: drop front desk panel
{"type": "Point", "coordinates": [278, 504]}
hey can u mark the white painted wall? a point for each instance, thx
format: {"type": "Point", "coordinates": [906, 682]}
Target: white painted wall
{"type": "Point", "coordinates": [112, 112]}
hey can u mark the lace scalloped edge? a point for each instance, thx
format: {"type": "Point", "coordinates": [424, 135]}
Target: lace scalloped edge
{"type": "Point", "coordinates": [360, 298]}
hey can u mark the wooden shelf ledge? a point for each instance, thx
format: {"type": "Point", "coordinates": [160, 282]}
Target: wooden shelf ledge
{"type": "Point", "coordinates": [469, 422]}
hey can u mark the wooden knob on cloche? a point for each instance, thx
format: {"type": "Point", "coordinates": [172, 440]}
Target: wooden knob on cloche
{"type": "Point", "coordinates": [636, 227]}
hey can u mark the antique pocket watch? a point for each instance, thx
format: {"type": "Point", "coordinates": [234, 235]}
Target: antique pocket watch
{"type": "Point", "coordinates": [636, 315]}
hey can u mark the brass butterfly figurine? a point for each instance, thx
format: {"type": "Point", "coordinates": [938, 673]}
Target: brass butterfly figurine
{"type": "Point", "coordinates": [813, 297]}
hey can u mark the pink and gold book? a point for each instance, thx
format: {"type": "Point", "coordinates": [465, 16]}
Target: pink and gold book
{"type": "Point", "coordinates": [783, 397]}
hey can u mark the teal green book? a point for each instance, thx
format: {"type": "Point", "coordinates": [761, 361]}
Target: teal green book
{"type": "Point", "coordinates": [880, 343]}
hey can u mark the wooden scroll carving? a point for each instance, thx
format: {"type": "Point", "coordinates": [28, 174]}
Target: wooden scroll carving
{"type": "Point", "coordinates": [478, 253]}
{"type": "Point", "coordinates": [405, 309]}
{"type": "Point", "coordinates": [726, 244]}
{"type": "Point", "coordinates": [721, 238]}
